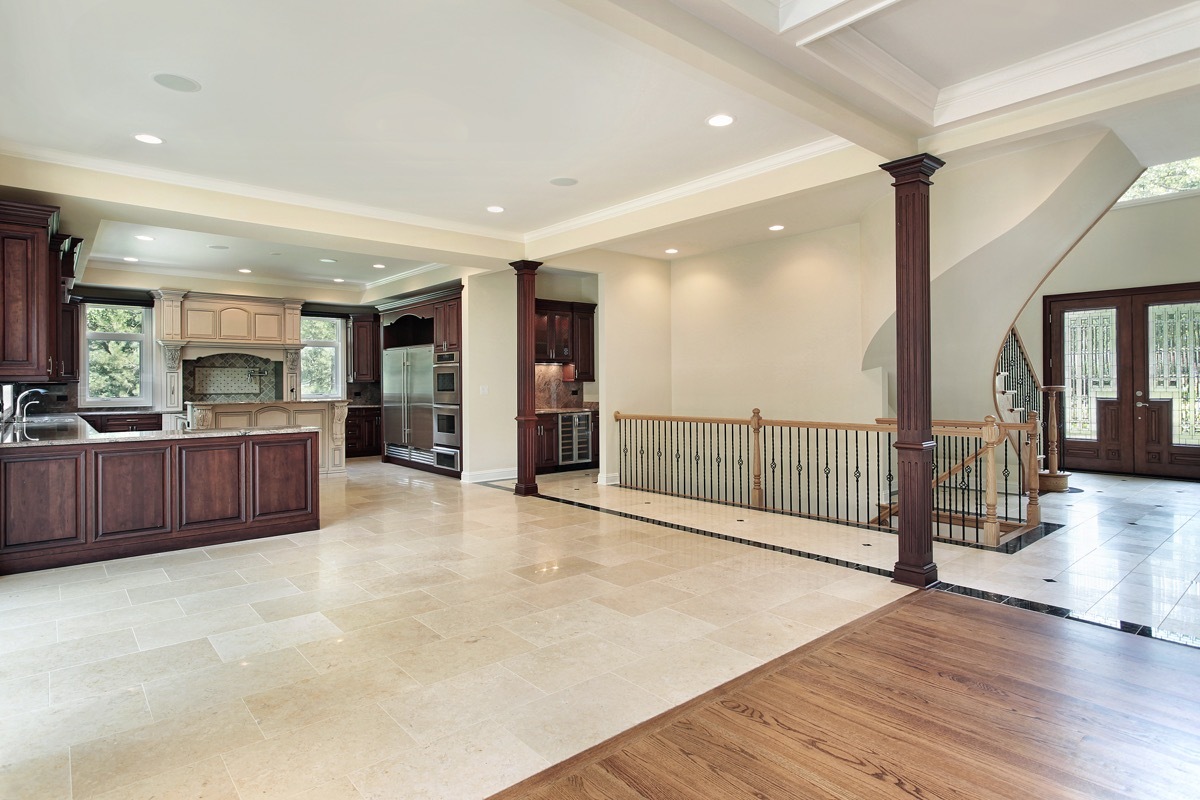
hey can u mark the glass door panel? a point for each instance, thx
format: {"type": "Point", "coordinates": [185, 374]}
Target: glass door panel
{"type": "Point", "coordinates": [1174, 366]}
{"type": "Point", "coordinates": [1089, 368]}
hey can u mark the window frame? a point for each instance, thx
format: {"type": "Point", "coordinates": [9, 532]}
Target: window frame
{"type": "Point", "coordinates": [339, 358]}
{"type": "Point", "coordinates": [145, 339]}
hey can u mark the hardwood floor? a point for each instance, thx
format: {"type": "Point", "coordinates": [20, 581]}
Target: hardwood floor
{"type": "Point", "coordinates": [934, 696]}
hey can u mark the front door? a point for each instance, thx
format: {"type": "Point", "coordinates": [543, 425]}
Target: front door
{"type": "Point", "coordinates": [1130, 362]}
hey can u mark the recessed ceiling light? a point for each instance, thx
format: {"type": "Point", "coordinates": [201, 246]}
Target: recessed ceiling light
{"type": "Point", "coordinates": [147, 138]}
{"type": "Point", "coordinates": [274, 254]}
{"type": "Point", "coordinates": [671, 251]}
{"type": "Point", "coordinates": [142, 238]}
{"type": "Point", "coordinates": [339, 280]}
{"type": "Point", "coordinates": [177, 83]}
{"type": "Point", "coordinates": [328, 260]}
{"type": "Point", "coordinates": [243, 270]}
{"type": "Point", "coordinates": [496, 209]}
{"type": "Point", "coordinates": [130, 258]}
{"type": "Point", "coordinates": [218, 247]}
{"type": "Point", "coordinates": [563, 181]}
{"type": "Point", "coordinates": [379, 266]}
{"type": "Point", "coordinates": [719, 120]}
{"type": "Point", "coordinates": [775, 228]}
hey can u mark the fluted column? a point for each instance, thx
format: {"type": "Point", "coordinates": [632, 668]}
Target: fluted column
{"type": "Point", "coordinates": [914, 439]}
{"type": "Point", "coordinates": [526, 389]}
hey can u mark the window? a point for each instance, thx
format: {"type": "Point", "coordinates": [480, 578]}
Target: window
{"type": "Point", "coordinates": [321, 359]}
{"type": "Point", "coordinates": [1164, 179]}
{"type": "Point", "coordinates": [116, 362]}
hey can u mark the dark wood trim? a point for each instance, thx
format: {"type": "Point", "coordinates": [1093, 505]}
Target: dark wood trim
{"type": "Point", "coordinates": [412, 301]}
{"type": "Point", "coordinates": [526, 382]}
{"type": "Point", "coordinates": [914, 437]}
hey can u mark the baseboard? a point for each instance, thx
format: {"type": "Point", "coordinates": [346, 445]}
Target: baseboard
{"type": "Point", "coordinates": [611, 479]}
{"type": "Point", "coordinates": [486, 475]}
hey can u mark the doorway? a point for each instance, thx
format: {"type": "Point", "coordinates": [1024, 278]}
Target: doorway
{"type": "Point", "coordinates": [1130, 363]}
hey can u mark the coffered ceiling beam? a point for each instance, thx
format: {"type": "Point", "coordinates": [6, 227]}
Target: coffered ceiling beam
{"type": "Point", "coordinates": [809, 20]}
{"type": "Point", "coordinates": [678, 34]}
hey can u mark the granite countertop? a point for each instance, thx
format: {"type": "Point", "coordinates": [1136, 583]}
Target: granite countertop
{"type": "Point", "coordinates": [561, 410]}
{"type": "Point", "coordinates": [263, 403]}
{"type": "Point", "coordinates": [68, 429]}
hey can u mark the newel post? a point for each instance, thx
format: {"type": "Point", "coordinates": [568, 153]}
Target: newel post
{"type": "Point", "coordinates": [526, 382]}
{"type": "Point", "coordinates": [756, 492]}
{"type": "Point", "coordinates": [1051, 480]}
{"type": "Point", "coordinates": [914, 415]}
{"type": "Point", "coordinates": [991, 523]}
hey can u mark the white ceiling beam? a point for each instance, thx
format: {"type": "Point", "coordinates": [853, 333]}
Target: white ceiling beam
{"type": "Point", "coordinates": [809, 20]}
{"type": "Point", "coordinates": [680, 35]}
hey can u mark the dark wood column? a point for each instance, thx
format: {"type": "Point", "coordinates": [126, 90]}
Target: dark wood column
{"type": "Point", "coordinates": [526, 395]}
{"type": "Point", "coordinates": [914, 440]}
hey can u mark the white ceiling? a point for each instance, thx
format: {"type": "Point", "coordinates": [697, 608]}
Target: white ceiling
{"type": "Point", "coordinates": [424, 112]}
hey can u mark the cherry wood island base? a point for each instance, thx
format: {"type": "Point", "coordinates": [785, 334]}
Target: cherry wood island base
{"type": "Point", "coordinates": [63, 505]}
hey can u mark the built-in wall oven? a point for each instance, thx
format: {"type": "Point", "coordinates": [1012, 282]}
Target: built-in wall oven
{"type": "Point", "coordinates": [447, 379]}
{"type": "Point", "coordinates": [447, 426]}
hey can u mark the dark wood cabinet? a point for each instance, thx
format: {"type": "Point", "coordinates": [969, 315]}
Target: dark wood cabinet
{"type": "Point", "coordinates": [132, 491]}
{"type": "Point", "coordinates": [66, 366]}
{"type": "Point", "coordinates": [43, 497]}
{"type": "Point", "coordinates": [364, 348]}
{"type": "Point", "coordinates": [272, 498]}
{"type": "Point", "coordinates": [583, 331]}
{"type": "Point", "coordinates": [564, 333]}
{"type": "Point", "coordinates": [29, 292]}
{"type": "Point", "coordinates": [119, 423]}
{"type": "Point", "coordinates": [547, 441]}
{"type": "Point", "coordinates": [363, 432]}
{"type": "Point", "coordinates": [447, 325]}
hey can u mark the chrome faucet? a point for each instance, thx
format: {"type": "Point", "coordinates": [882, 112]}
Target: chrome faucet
{"type": "Point", "coordinates": [21, 412]}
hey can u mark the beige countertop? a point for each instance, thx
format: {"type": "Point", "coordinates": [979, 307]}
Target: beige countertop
{"type": "Point", "coordinates": [66, 429]}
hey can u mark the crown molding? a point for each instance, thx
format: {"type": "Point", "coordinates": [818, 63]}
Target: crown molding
{"type": "Point", "coordinates": [191, 181]}
{"type": "Point", "coordinates": [430, 267]}
{"type": "Point", "coordinates": [830, 144]}
{"type": "Point", "coordinates": [156, 269]}
{"type": "Point", "coordinates": [1137, 46]}
{"type": "Point", "coordinates": [879, 72]}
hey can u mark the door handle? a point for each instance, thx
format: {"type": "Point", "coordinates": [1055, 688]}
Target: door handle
{"type": "Point", "coordinates": [1140, 404]}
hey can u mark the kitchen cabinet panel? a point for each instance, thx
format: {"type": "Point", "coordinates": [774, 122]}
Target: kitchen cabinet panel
{"type": "Point", "coordinates": [564, 333]}
{"type": "Point", "coordinates": [133, 491]}
{"type": "Point", "coordinates": [211, 484]}
{"type": "Point", "coordinates": [364, 348]}
{"type": "Point", "coordinates": [546, 454]}
{"type": "Point", "coordinates": [274, 492]}
{"type": "Point", "coordinates": [583, 330]}
{"type": "Point", "coordinates": [447, 325]}
{"type": "Point", "coordinates": [70, 318]}
{"type": "Point", "coordinates": [43, 496]}
{"type": "Point", "coordinates": [363, 434]}
{"type": "Point", "coordinates": [28, 292]}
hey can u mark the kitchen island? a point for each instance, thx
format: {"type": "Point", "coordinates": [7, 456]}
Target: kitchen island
{"type": "Point", "coordinates": [71, 495]}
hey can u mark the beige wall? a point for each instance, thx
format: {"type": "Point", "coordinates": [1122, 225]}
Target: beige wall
{"type": "Point", "coordinates": [1147, 244]}
{"type": "Point", "coordinates": [773, 325]}
{"type": "Point", "coordinates": [490, 364]}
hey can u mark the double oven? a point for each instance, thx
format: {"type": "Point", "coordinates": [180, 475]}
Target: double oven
{"type": "Point", "coordinates": [447, 402]}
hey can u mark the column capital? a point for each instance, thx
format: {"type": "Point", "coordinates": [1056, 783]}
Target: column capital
{"type": "Point", "coordinates": [913, 168]}
{"type": "Point", "coordinates": [525, 266]}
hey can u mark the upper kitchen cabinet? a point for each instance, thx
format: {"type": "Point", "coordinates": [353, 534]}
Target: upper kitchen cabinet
{"type": "Point", "coordinates": [447, 325]}
{"type": "Point", "coordinates": [66, 366]}
{"type": "Point", "coordinates": [29, 308]}
{"type": "Point", "coordinates": [231, 319]}
{"type": "Point", "coordinates": [364, 344]}
{"type": "Point", "coordinates": [564, 333]}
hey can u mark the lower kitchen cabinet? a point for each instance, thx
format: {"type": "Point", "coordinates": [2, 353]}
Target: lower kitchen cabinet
{"type": "Point", "coordinates": [43, 496]}
{"type": "Point", "coordinates": [546, 454]}
{"type": "Point", "coordinates": [132, 491]}
{"type": "Point", "coordinates": [363, 432]}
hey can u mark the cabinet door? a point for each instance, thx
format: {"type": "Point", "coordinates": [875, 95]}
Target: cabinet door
{"type": "Point", "coordinates": [447, 323]}
{"type": "Point", "coordinates": [541, 336]}
{"type": "Point", "coordinates": [211, 485]}
{"type": "Point", "coordinates": [547, 441]}
{"type": "Point", "coordinates": [561, 347]}
{"type": "Point", "coordinates": [282, 477]}
{"type": "Point", "coordinates": [584, 331]}
{"type": "Point", "coordinates": [132, 491]}
{"type": "Point", "coordinates": [26, 291]}
{"type": "Point", "coordinates": [68, 342]}
{"type": "Point", "coordinates": [43, 498]}
{"type": "Point", "coordinates": [364, 356]}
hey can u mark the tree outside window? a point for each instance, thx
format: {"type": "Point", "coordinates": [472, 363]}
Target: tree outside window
{"type": "Point", "coordinates": [321, 358]}
{"type": "Point", "coordinates": [115, 355]}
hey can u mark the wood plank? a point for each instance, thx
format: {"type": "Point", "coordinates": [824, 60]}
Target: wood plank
{"type": "Point", "coordinates": [935, 696]}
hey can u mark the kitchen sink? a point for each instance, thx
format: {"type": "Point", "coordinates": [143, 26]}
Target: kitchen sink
{"type": "Point", "coordinates": [46, 419]}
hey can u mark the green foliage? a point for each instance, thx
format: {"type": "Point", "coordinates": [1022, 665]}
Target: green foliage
{"type": "Point", "coordinates": [114, 369]}
{"type": "Point", "coordinates": [316, 371]}
{"type": "Point", "coordinates": [319, 329]}
{"type": "Point", "coordinates": [1177, 176]}
{"type": "Point", "coordinates": [114, 319]}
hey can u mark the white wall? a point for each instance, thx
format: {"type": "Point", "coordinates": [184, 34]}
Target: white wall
{"type": "Point", "coordinates": [1147, 244]}
{"type": "Point", "coordinates": [490, 360]}
{"type": "Point", "coordinates": [773, 325]}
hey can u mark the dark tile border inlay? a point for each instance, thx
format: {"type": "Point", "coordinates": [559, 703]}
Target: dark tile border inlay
{"type": "Point", "coordinates": [1135, 628]}
{"type": "Point", "coordinates": [837, 562]}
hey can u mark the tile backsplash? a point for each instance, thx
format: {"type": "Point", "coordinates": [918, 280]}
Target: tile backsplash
{"type": "Point", "coordinates": [551, 391]}
{"type": "Point", "coordinates": [224, 378]}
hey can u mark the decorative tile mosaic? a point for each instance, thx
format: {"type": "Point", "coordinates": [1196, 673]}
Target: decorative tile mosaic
{"type": "Point", "coordinates": [268, 377]}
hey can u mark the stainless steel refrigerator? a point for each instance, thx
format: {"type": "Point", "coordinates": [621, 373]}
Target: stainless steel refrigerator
{"type": "Point", "coordinates": [408, 398]}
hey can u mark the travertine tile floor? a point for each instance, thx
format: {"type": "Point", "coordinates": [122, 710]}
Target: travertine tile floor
{"type": "Point", "coordinates": [432, 640]}
{"type": "Point", "coordinates": [1129, 549]}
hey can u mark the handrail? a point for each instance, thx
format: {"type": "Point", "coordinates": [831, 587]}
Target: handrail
{"type": "Point", "coordinates": [822, 470]}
